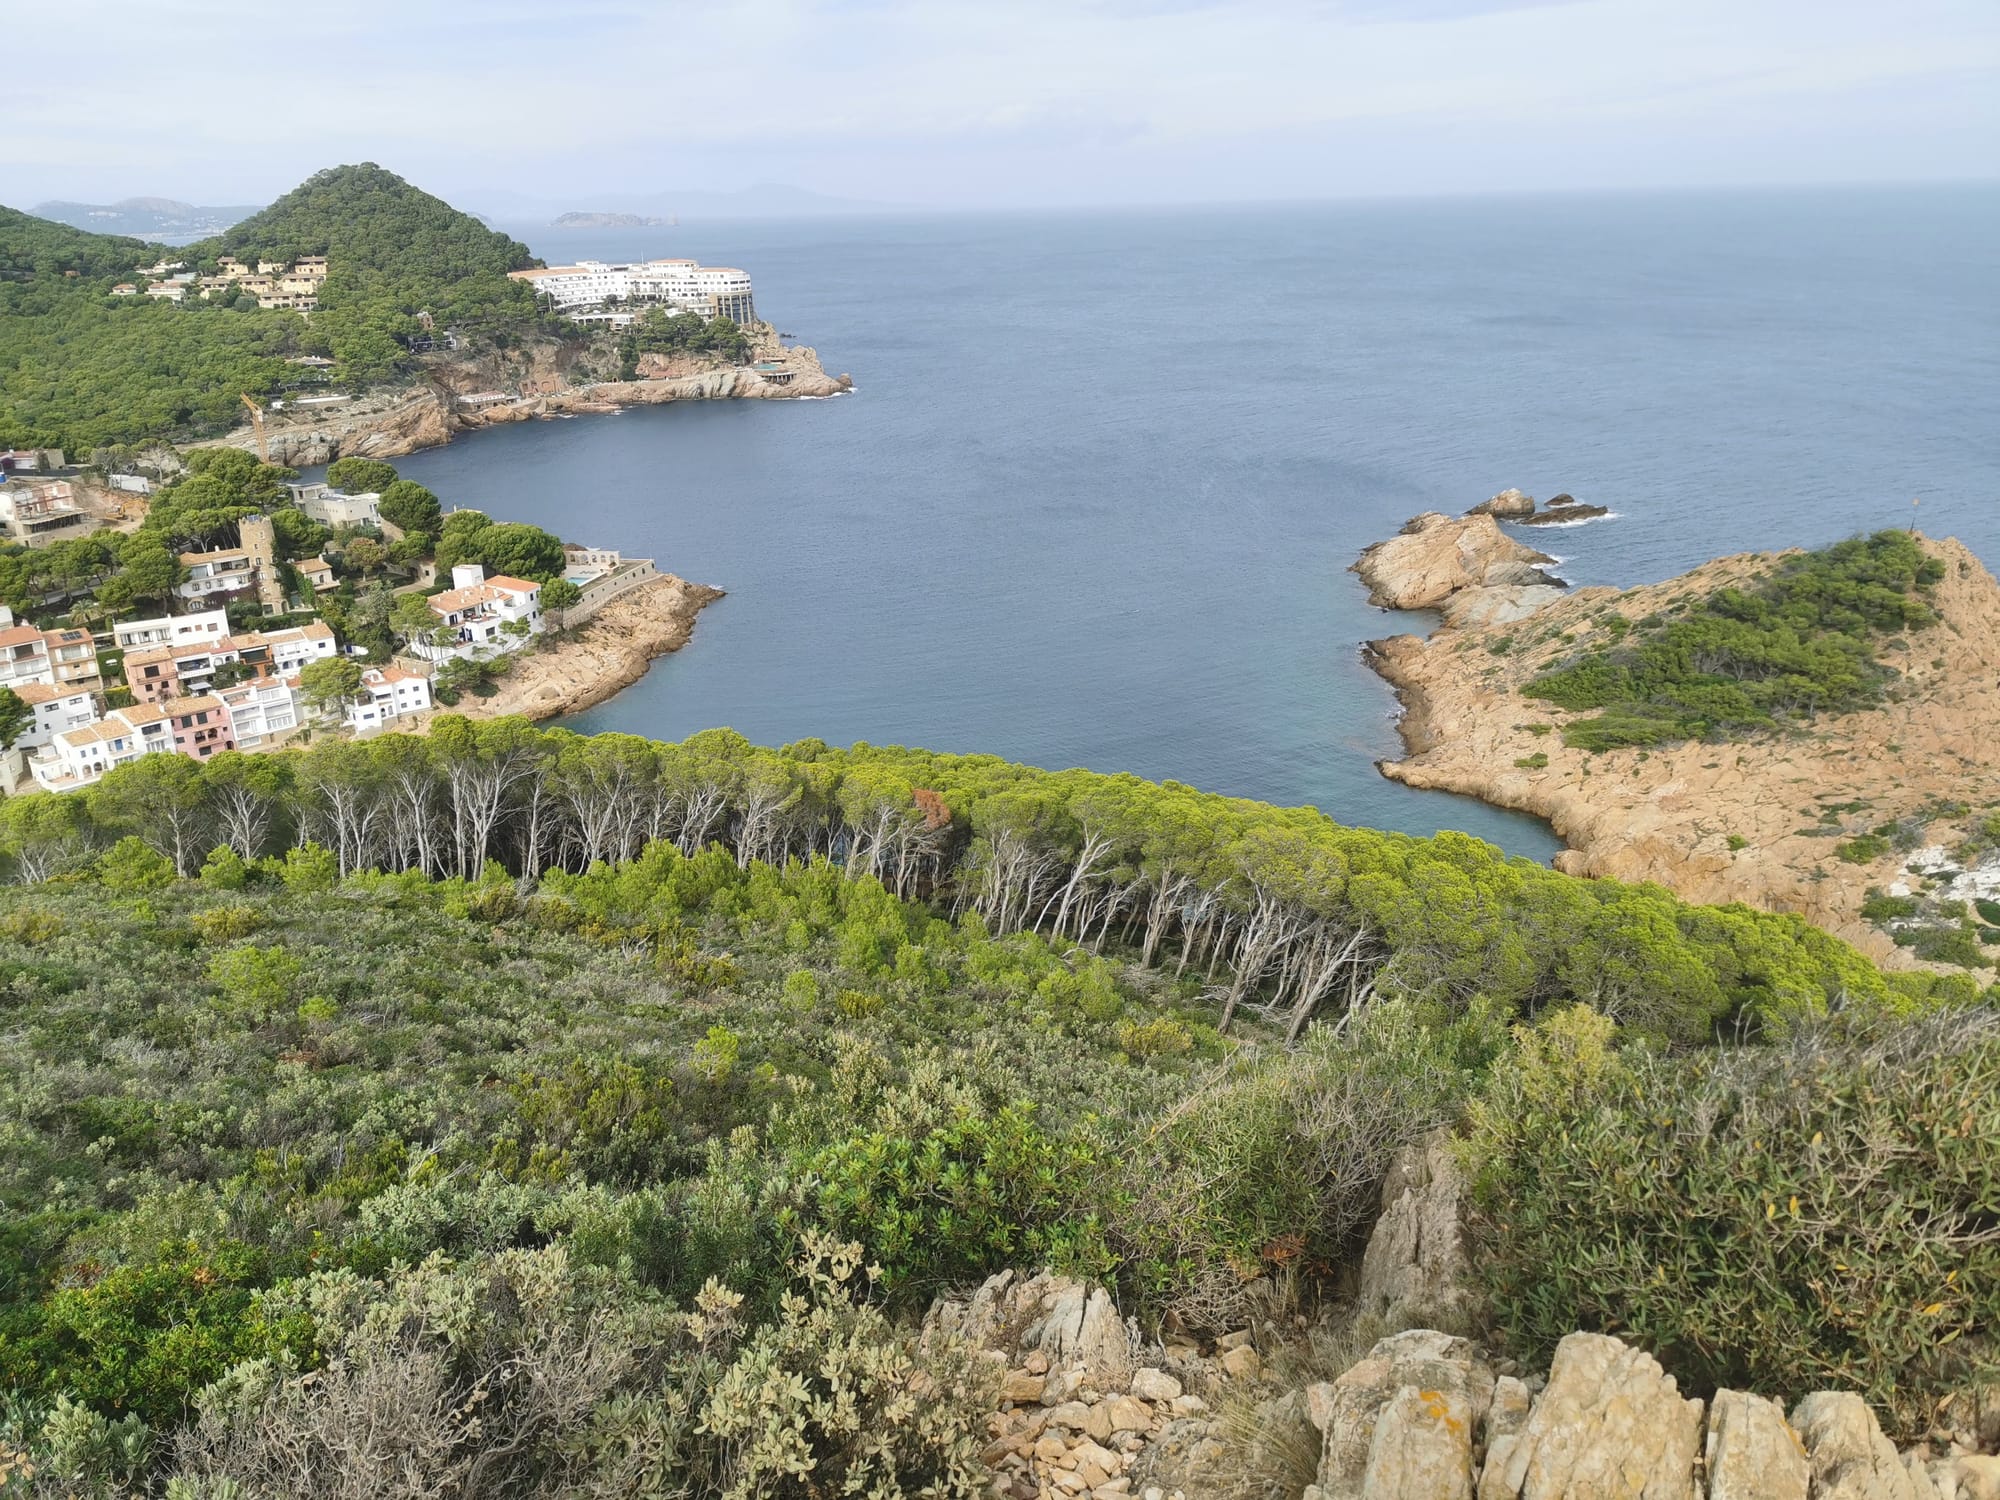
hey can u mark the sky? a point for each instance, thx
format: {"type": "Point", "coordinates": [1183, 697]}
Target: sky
{"type": "Point", "coordinates": [1027, 103]}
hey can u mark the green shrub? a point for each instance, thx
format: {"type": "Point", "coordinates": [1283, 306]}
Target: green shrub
{"type": "Point", "coordinates": [1533, 762]}
{"type": "Point", "coordinates": [960, 1199]}
{"type": "Point", "coordinates": [1774, 1219]}
{"type": "Point", "coordinates": [225, 924]}
{"type": "Point", "coordinates": [1743, 659]}
{"type": "Point", "coordinates": [144, 1337]}
{"type": "Point", "coordinates": [831, 1400]}
{"type": "Point", "coordinates": [132, 865]}
{"type": "Point", "coordinates": [1862, 850]}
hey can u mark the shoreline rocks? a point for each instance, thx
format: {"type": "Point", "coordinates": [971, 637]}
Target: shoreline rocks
{"type": "Point", "coordinates": [1435, 560]}
{"type": "Point", "coordinates": [601, 658]}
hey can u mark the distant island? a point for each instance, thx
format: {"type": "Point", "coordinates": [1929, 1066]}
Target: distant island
{"type": "Point", "coordinates": [605, 221]}
{"type": "Point", "coordinates": [163, 220]}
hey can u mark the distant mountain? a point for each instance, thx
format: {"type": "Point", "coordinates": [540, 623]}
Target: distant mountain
{"type": "Point", "coordinates": [643, 209]}
{"type": "Point", "coordinates": [163, 220]}
{"type": "Point", "coordinates": [605, 221]}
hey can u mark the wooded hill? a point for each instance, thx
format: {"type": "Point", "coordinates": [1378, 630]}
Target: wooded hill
{"type": "Point", "coordinates": [80, 368]}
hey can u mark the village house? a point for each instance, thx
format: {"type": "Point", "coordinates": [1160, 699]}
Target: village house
{"type": "Point", "coordinates": [57, 710]}
{"type": "Point", "coordinates": [318, 574]}
{"type": "Point", "coordinates": [24, 656]}
{"type": "Point", "coordinates": [261, 711]}
{"type": "Point", "coordinates": [477, 610]}
{"type": "Point", "coordinates": [332, 507]}
{"type": "Point", "coordinates": [78, 757]}
{"type": "Point", "coordinates": [227, 570]}
{"type": "Point", "coordinates": [73, 659]}
{"type": "Point", "coordinates": [157, 673]}
{"type": "Point", "coordinates": [172, 630]}
{"type": "Point", "coordinates": [391, 693]}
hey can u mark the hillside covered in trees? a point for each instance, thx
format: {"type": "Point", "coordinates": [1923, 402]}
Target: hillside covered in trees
{"type": "Point", "coordinates": [81, 368]}
{"type": "Point", "coordinates": [546, 1077]}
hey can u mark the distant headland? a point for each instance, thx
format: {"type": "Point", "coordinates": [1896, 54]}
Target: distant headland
{"type": "Point", "coordinates": [605, 221]}
{"type": "Point", "coordinates": [1809, 732]}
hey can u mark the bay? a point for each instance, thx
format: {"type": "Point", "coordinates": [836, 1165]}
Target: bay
{"type": "Point", "coordinates": [1095, 496]}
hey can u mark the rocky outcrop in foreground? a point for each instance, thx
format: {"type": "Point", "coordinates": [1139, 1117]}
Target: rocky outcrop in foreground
{"type": "Point", "coordinates": [1090, 1409]}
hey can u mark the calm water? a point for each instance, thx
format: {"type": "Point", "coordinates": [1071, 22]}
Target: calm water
{"type": "Point", "coordinates": [1094, 501]}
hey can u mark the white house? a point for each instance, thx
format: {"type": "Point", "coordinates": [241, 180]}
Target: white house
{"type": "Point", "coordinates": [207, 626]}
{"type": "Point", "coordinates": [392, 693]}
{"type": "Point", "coordinates": [78, 757]}
{"type": "Point", "coordinates": [476, 611]}
{"type": "Point", "coordinates": [227, 570]}
{"type": "Point", "coordinates": [332, 507]}
{"type": "Point", "coordinates": [260, 710]}
{"type": "Point", "coordinates": [57, 711]}
{"type": "Point", "coordinates": [24, 657]}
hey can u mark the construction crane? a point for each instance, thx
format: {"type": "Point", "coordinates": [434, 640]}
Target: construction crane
{"type": "Point", "coordinates": [257, 422]}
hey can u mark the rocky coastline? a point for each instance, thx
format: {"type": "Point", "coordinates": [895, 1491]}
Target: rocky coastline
{"type": "Point", "coordinates": [600, 658]}
{"type": "Point", "coordinates": [1768, 821]}
{"type": "Point", "coordinates": [532, 383]}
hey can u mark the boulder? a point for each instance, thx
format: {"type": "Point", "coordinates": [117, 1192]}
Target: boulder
{"type": "Point", "coordinates": [1435, 556]}
{"type": "Point", "coordinates": [1975, 1476]}
{"type": "Point", "coordinates": [1154, 1385]}
{"type": "Point", "coordinates": [1508, 505]}
{"type": "Point", "coordinates": [1350, 1411]}
{"type": "Point", "coordinates": [1422, 1447]}
{"type": "Point", "coordinates": [1849, 1456]}
{"type": "Point", "coordinates": [1753, 1454]}
{"type": "Point", "coordinates": [1415, 1265]}
{"type": "Point", "coordinates": [1083, 1329]}
{"type": "Point", "coordinates": [1610, 1425]}
{"type": "Point", "coordinates": [1565, 515]}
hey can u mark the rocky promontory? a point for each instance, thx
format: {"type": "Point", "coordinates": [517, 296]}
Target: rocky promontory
{"type": "Point", "coordinates": [1467, 568]}
{"type": "Point", "coordinates": [534, 381]}
{"type": "Point", "coordinates": [600, 658]}
{"type": "Point", "coordinates": [1808, 820]}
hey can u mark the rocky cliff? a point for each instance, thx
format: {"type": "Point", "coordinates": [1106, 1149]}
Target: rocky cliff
{"type": "Point", "coordinates": [535, 380]}
{"type": "Point", "coordinates": [1759, 820]}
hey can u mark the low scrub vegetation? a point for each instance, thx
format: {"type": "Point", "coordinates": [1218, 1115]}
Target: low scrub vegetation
{"type": "Point", "coordinates": [1802, 642]}
{"type": "Point", "coordinates": [517, 1112]}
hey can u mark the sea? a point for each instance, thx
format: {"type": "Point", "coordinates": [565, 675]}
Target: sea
{"type": "Point", "coordinates": [1094, 497]}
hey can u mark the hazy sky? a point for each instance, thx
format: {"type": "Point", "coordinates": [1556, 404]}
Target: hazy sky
{"type": "Point", "coordinates": [936, 102]}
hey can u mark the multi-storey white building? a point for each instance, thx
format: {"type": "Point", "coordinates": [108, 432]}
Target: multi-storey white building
{"type": "Point", "coordinates": [392, 694]}
{"type": "Point", "coordinates": [260, 710]}
{"type": "Point", "coordinates": [209, 625]}
{"type": "Point", "coordinates": [712, 291]}
{"type": "Point", "coordinates": [24, 656]}
{"type": "Point", "coordinates": [78, 757]}
{"type": "Point", "coordinates": [57, 710]}
{"type": "Point", "coordinates": [332, 507]}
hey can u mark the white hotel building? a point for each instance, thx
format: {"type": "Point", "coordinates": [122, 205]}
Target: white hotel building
{"type": "Point", "coordinates": [585, 290]}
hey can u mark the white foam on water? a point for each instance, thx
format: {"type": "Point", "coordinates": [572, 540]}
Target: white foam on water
{"type": "Point", "coordinates": [1609, 515]}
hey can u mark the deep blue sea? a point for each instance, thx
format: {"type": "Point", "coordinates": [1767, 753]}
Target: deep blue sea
{"type": "Point", "coordinates": [1094, 500]}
